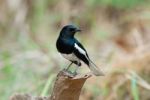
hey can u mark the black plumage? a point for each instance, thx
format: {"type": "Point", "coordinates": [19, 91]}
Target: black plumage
{"type": "Point", "coordinates": [73, 50]}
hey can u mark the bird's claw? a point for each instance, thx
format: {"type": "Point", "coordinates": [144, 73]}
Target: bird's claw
{"type": "Point", "coordinates": [75, 73]}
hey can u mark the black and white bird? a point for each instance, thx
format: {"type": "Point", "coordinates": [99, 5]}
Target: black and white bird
{"type": "Point", "coordinates": [71, 49]}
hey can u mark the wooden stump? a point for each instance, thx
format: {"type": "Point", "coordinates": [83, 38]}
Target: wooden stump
{"type": "Point", "coordinates": [67, 87]}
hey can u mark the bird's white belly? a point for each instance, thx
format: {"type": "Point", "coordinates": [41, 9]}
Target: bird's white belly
{"type": "Point", "coordinates": [71, 57]}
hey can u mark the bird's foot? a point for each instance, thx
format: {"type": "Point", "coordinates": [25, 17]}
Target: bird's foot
{"type": "Point", "coordinates": [75, 73]}
{"type": "Point", "coordinates": [65, 69]}
{"type": "Point", "coordinates": [71, 73]}
{"type": "Point", "coordinates": [76, 70]}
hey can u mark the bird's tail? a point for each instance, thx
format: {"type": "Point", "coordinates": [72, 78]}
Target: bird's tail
{"type": "Point", "coordinates": [95, 70]}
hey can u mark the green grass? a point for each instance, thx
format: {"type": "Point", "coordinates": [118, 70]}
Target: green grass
{"type": "Point", "coordinates": [134, 89]}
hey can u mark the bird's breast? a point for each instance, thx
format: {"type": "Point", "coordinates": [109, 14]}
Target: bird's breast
{"type": "Point", "coordinates": [71, 57]}
{"type": "Point", "coordinates": [64, 46]}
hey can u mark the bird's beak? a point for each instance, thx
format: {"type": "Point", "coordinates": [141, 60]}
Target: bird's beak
{"type": "Point", "coordinates": [78, 30]}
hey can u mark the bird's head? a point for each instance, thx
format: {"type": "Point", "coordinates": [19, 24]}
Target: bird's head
{"type": "Point", "coordinates": [69, 30]}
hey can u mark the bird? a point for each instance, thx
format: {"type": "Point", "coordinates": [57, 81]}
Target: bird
{"type": "Point", "coordinates": [71, 49]}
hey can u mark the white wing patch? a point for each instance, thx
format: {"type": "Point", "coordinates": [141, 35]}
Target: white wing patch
{"type": "Point", "coordinates": [80, 49]}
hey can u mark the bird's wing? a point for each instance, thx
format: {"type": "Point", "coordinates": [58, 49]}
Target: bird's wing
{"type": "Point", "coordinates": [81, 53]}
{"type": "Point", "coordinates": [81, 46]}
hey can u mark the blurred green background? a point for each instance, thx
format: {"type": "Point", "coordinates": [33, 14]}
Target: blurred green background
{"type": "Point", "coordinates": [116, 34]}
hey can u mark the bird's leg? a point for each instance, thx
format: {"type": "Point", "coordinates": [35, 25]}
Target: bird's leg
{"type": "Point", "coordinates": [69, 66]}
{"type": "Point", "coordinates": [77, 67]}
{"type": "Point", "coordinates": [76, 70]}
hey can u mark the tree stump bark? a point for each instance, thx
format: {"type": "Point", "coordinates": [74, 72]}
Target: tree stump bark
{"type": "Point", "coordinates": [67, 87]}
